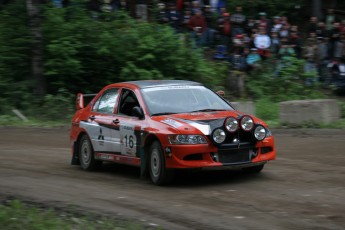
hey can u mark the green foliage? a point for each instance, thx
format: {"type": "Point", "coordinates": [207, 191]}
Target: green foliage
{"type": "Point", "coordinates": [17, 215]}
{"type": "Point", "coordinates": [282, 81]}
{"type": "Point", "coordinates": [14, 55]}
{"type": "Point", "coordinates": [56, 107]}
{"type": "Point", "coordinates": [85, 54]}
{"type": "Point", "coordinates": [266, 109]}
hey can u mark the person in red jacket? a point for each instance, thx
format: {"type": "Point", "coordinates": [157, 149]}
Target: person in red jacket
{"type": "Point", "coordinates": [224, 28]}
{"type": "Point", "coordinates": [198, 26]}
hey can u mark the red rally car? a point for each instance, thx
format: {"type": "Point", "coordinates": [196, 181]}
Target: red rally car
{"type": "Point", "coordinates": [164, 125]}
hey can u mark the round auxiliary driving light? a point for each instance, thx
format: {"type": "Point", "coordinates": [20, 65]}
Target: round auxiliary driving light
{"type": "Point", "coordinates": [218, 136]}
{"type": "Point", "coordinates": [247, 123]}
{"type": "Point", "coordinates": [231, 124]}
{"type": "Point", "coordinates": [260, 133]}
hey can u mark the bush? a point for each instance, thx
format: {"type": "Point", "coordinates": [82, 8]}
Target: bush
{"type": "Point", "coordinates": [266, 109]}
{"type": "Point", "coordinates": [278, 81]}
{"type": "Point", "coordinates": [84, 54]}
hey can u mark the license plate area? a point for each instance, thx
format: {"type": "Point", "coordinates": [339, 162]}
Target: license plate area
{"type": "Point", "coordinates": [235, 156]}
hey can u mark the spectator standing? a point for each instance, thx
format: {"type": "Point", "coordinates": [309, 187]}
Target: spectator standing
{"type": "Point", "coordinates": [339, 47]}
{"type": "Point", "coordinates": [211, 31]}
{"type": "Point", "coordinates": [285, 54]}
{"type": "Point", "coordinates": [186, 19]}
{"type": "Point", "coordinates": [285, 31]}
{"type": "Point", "coordinates": [250, 27]}
{"type": "Point", "coordinates": [334, 36]}
{"type": "Point", "coordinates": [323, 53]}
{"type": "Point", "coordinates": [276, 25]}
{"type": "Point", "coordinates": [237, 21]}
{"type": "Point", "coordinates": [262, 42]}
{"type": "Point", "coordinates": [174, 18]}
{"type": "Point", "coordinates": [253, 59]}
{"type": "Point", "coordinates": [239, 66]}
{"type": "Point", "coordinates": [141, 10]}
{"type": "Point", "coordinates": [310, 54]}
{"type": "Point", "coordinates": [198, 26]}
{"type": "Point", "coordinates": [195, 7]}
{"type": "Point", "coordinates": [330, 19]}
{"type": "Point", "coordinates": [224, 28]}
{"type": "Point", "coordinates": [264, 22]}
{"type": "Point", "coordinates": [284, 20]}
{"type": "Point", "coordinates": [238, 42]}
{"type": "Point", "coordinates": [296, 41]}
{"type": "Point", "coordinates": [342, 26]}
{"type": "Point", "coordinates": [321, 30]}
{"type": "Point", "coordinates": [162, 16]}
{"type": "Point", "coordinates": [313, 24]}
{"type": "Point", "coordinates": [275, 43]}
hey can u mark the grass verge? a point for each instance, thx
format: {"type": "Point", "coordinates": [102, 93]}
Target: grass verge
{"type": "Point", "coordinates": [16, 215]}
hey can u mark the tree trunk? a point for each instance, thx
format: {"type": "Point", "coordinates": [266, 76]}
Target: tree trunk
{"type": "Point", "coordinates": [39, 83]}
{"type": "Point", "coordinates": [317, 9]}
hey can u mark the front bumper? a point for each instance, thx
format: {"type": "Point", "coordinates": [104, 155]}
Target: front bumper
{"type": "Point", "coordinates": [210, 156]}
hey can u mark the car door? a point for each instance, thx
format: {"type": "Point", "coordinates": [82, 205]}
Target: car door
{"type": "Point", "coordinates": [129, 126]}
{"type": "Point", "coordinates": [101, 128]}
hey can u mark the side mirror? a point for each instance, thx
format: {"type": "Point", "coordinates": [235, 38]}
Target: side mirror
{"type": "Point", "coordinates": [138, 112]}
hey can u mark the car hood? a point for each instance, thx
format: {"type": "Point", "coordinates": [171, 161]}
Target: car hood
{"type": "Point", "coordinates": [203, 122]}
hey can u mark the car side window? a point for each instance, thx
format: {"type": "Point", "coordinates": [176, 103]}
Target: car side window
{"type": "Point", "coordinates": [128, 102]}
{"type": "Point", "coordinates": [106, 103]}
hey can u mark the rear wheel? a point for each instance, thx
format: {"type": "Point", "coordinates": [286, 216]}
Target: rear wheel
{"type": "Point", "coordinates": [86, 155]}
{"type": "Point", "coordinates": [253, 169]}
{"type": "Point", "coordinates": [159, 174]}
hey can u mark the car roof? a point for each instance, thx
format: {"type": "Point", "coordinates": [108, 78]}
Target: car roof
{"type": "Point", "coordinates": [156, 83]}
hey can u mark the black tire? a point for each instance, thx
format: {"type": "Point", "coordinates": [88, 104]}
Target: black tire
{"type": "Point", "coordinates": [253, 169]}
{"type": "Point", "coordinates": [158, 173]}
{"type": "Point", "coordinates": [86, 155]}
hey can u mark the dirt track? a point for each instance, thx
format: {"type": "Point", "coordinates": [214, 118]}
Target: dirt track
{"type": "Point", "coordinates": [303, 189]}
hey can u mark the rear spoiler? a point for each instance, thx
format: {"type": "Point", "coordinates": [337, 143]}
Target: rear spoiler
{"type": "Point", "coordinates": [83, 100]}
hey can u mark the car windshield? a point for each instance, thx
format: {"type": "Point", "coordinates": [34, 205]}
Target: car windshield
{"type": "Point", "coordinates": [182, 99]}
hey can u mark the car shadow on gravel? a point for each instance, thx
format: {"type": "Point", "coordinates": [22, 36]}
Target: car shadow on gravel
{"type": "Point", "coordinates": [206, 178]}
{"type": "Point", "coordinates": [185, 178]}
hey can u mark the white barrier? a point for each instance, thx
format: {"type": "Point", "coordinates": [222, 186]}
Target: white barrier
{"type": "Point", "coordinates": [323, 111]}
{"type": "Point", "coordinates": [247, 107]}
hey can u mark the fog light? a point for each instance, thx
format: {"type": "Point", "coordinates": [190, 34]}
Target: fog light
{"type": "Point", "coordinates": [260, 133]}
{"type": "Point", "coordinates": [247, 123]}
{"type": "Point", "coordinates": [218, 136]}
{"type": "Point", "coordinates": [231, 124]}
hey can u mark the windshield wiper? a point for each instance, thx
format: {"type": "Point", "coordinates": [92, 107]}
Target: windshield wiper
{"type": "Point", "coordinates": [207, 110]}
{"type": "Point", "coordinates": [165, 113]}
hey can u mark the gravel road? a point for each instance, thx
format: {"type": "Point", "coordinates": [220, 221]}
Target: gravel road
{"type": "Point", "coordinates": [303, 189]}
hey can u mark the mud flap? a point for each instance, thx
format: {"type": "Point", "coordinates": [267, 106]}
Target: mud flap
{"type": "Point", "coordinates": [143, 165]}
{"type": "Point", "coordinates": [75, 158]}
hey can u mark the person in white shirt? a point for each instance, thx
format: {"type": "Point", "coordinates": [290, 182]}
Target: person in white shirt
{"type": "Point", "coordinates": [262, 42]}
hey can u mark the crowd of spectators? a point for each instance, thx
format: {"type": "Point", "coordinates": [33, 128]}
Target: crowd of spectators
{"type": "Point", "coordinates": [246, 42]}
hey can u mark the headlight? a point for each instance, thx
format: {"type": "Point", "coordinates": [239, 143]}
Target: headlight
{"type": "Point", "coordinates": [218, 136]}
{"type": "Point", "coordinates": [231, 124]}
{"type": "Point", "coordinates": [247, 123]}
{"type": "Point", "coordinates": [268, 133]}
{"type": "Point", "coordinates": [260, 133]}
{"type": "Point", "coordinates": [186, 139]}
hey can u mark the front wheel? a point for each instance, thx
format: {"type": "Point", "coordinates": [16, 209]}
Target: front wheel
{"type": "Point", "coordinates": [86, 155]}
{"type": "Point", "coordinates": [253, 169]}
{"type": "Point", "coordinates": [159, 174]}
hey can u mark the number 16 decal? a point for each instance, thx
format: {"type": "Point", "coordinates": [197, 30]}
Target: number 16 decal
{"type": "Point", "coordinates": [128, 140]}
